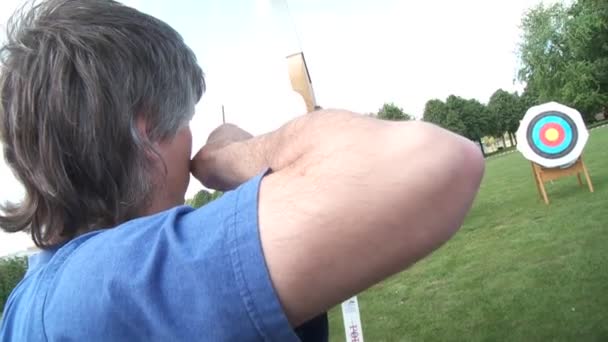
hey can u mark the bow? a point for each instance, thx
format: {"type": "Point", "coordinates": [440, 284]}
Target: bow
{"type": "Point", "coordinates": [301, 83]}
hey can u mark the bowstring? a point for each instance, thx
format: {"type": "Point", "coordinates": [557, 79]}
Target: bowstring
{"type": "Point", "coordinates": [293, 24]}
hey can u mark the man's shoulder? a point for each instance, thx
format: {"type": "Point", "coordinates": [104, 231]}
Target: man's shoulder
{"type": "Point", "coordinates": [180, 274]}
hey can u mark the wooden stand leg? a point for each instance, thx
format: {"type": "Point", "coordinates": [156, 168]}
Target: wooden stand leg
{"type": "Point", "coordinates": [580, 181]}
{"type": "Point", "coordinates": [540, 194]}
{"type": "Point", "coordinates": [587, 177]}
{"type": "Point", "coordinates": [540, 184]}
{"type": "Point", "coordinates": [544, 193]}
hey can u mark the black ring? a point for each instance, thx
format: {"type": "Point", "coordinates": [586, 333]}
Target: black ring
{"type": "Point", "coordinates": [561, 154]}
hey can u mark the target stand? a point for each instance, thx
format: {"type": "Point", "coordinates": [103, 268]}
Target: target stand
{"type": "Point", "coordinates": [552, 137]}
{"type": "Point", "coordinates": [543, 174]}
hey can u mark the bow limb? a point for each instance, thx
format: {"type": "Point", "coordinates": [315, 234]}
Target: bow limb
{"type": "Point", "coordinates": [300, 79]}
{"type": "Point", "coordinates": [296, 63]}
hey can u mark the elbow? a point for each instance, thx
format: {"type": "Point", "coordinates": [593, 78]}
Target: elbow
{"type": "Point", "coordinates": [457, 155]}
{"type": "Point", "coordinates": [457, 172]}
{"type": "Point", "coordinates": [454, 165]}
{"type": "Point", "coordinates": [473, 164]}
{"type": "Point", "coordinates": [464, 163]}
{"type": "Point", "coordinates": [463, 178]}
{"type": "Point", "coordinates": [463, 184]}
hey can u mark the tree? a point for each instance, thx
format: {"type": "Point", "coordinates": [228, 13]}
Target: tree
{"type": "Point", "coordinates": [390, 111]}
{"type": "Point", "coordinates": [474, 116]}
{"type": "Point", "coordinates": [454, 123]}
{"type": "Point", "coordinates": [564, 56]}
{"type": "Point", "coordinates": [456, 107]}
{"type": "Point", "coordinates": [543, 53]}
{"type": "Point", "coordinates": [12, 271]}
{"type": "Point", "coordinates": [505, 112]}
{"type": "Point", "coordinates": [587, 34]}
{"type": "Point", "coordinates": [446, 115]}
{"type": "Point", "coordinates": [203, 197]}
{"type": "Point", "coordinates": [514, 116]}
{"type": "Point", "coordinates": [528, 99]}
{"type": "Point", "coordinates": [465, 117]}
{"type": "Point", "coordinates": [435, 112]}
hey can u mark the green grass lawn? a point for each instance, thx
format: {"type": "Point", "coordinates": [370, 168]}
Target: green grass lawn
{"type": "Point", "coordinates": [518, 270]}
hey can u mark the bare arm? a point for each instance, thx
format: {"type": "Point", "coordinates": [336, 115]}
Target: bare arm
{"type": "Point", "coordinates": [352, 200]}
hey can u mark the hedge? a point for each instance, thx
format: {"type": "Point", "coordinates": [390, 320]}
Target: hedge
{"type": "Point", "coordinates": [597, 124]}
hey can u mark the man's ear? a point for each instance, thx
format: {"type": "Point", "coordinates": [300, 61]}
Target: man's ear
{"type": "Point", "coordinates": [142, 127]}
{"type": "Point", "coordinates": [152, 148]}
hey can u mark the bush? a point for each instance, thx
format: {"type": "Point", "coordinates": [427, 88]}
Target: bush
{"type": "Point", "coordinates": [12, 271]}
{"type": "Point", "coordinates": [203, 197]}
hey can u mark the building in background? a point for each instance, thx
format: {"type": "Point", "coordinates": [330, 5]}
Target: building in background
{"type": "Point", "coordinates": [23, 253]}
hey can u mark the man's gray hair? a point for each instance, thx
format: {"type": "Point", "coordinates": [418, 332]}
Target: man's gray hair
{"type": "Point", "coordinates": [75, 77]}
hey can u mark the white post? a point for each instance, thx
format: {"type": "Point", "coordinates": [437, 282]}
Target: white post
{"type": "Point", "coordinates": [352, 320]}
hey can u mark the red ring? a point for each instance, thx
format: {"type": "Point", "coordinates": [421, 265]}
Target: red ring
{"type": "Point", "coordinates": [560, 138]}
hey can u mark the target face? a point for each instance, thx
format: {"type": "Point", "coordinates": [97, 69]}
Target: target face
{"type": "Point", "coordinates": [552, 135]}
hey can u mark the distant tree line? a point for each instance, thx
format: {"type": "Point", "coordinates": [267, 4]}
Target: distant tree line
{"type": "Point", "coordinates": [475, 120]}
{"type": "Point", "coordinates": [469, 117]}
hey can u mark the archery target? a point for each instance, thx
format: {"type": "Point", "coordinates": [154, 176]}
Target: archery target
{"type": "Point", "coordinates": [552, 135]}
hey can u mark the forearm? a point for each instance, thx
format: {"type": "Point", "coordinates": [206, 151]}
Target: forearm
{"type": "Point", "coordinates": [318, 139]}
{"type": "Point", "coordinates": [225, 166]}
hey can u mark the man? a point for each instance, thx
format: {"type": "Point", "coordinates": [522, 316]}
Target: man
{"type": "Point", "coordinates": [96, 99]}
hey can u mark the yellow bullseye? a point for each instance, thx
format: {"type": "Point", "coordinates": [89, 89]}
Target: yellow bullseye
{"type": "Point", "coordinates": [552, 134]}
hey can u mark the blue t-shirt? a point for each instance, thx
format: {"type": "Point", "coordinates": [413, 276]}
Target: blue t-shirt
{"type": "Point", "coordinates": [179, 275]}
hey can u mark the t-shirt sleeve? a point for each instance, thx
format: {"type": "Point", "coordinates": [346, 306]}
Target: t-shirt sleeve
{"type": "Point", "coordinates": [250, 269]}
{"type": "Point", "coordinates": [184, 275]}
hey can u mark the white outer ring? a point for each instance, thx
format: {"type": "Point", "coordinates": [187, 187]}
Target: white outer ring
{"type": "Point", "coordinates": [524, 147]}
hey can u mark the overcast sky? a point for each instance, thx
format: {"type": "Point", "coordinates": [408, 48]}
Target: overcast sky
{"type": "Point", "coordinates": [360, 54]}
